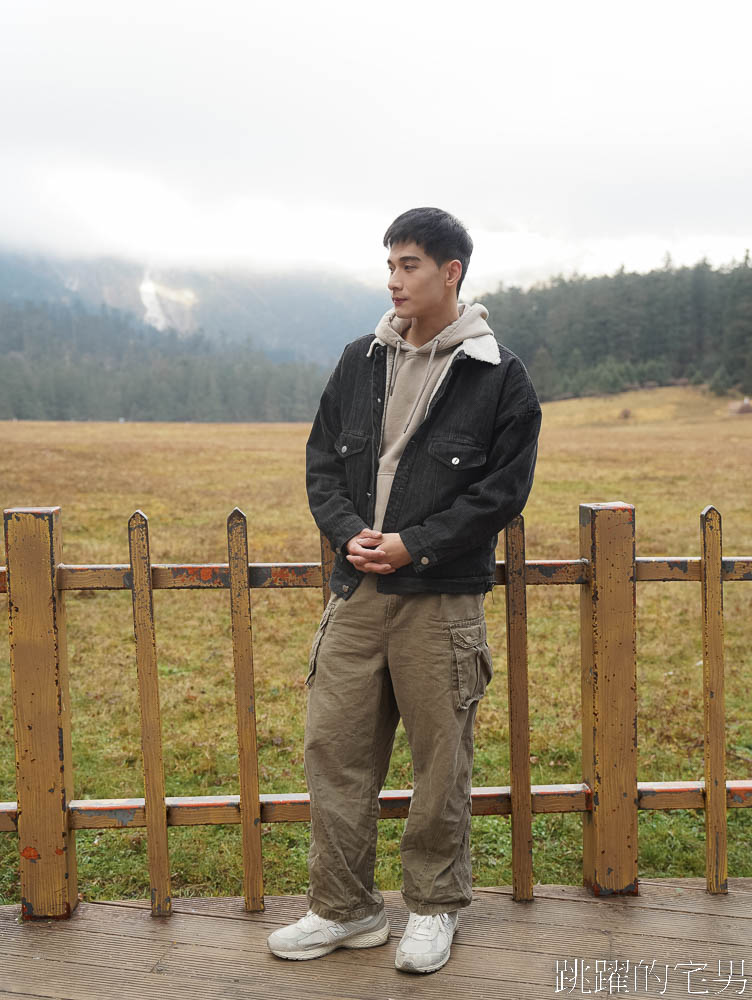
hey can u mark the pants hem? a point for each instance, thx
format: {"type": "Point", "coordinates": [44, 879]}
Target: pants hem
{"type": "Point", "coordinates": [426, 909]}
{"type": "Point", "coordinates": [327, 913]}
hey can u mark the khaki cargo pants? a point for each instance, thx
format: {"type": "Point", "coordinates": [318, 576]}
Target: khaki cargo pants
{"type": "Point", "coordinates": [376, 658]}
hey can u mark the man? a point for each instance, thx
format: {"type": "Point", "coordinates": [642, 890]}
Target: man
{"type": "Point", "coordinates": [422, 450]}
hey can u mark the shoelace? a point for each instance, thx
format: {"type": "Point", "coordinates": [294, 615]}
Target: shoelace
{"type": "Point", "coordinates": [424, 925]}
{"type": "Point", "coordinates": [313, 922]}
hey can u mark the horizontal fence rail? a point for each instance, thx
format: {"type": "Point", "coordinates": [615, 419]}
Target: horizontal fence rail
{"type": "Point", "coordinates": [46, 815]}
{"type": "Point", "coordinates": [283, 576]}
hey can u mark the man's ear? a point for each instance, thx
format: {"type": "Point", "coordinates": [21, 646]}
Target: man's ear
{"type": "Point", "coordinates": [453, 273]}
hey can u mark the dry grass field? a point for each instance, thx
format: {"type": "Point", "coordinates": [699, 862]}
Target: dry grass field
{"type": "Point", "coordinates": [679, 450]}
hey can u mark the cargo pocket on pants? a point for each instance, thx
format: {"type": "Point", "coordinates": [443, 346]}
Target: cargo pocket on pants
{"type": "Point", "coordinates": [471, 662]}
{"type": "Point", "coordinates": [317, 640]}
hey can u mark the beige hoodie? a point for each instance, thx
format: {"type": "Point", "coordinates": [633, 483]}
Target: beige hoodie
{"type": "Point", "coordinates": [413, 375]}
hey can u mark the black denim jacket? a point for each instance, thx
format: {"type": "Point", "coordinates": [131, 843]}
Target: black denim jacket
{"type": "Point", "coordinates": [464, 474]}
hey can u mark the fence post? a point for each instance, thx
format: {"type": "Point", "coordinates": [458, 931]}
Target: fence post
{"type": "Point", "coordinates": [151, 726]}
{"type": "Point", "coordinates": [711, 580]}
{"type": "Point", "coordinates": [245, 710]}
{"type": "Point", "coordinates": [519, 713]}
{"type": "Point", "coordinates": [609, 698]}
{"type": "Point", "coordinates": [41, 713]}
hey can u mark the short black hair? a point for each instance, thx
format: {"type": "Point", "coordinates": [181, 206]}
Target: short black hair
{"type": "Point", "coordinates": [440, 234]}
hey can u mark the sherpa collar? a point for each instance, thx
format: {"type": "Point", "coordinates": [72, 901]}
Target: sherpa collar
{"type": "Point", "coordinates": [482, 348]}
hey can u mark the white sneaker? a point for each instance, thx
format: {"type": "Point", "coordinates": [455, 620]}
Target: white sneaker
{"type": "Point", "coordinates": [313, 936]}
{"type": "Point", "coordinates": [426, 942]}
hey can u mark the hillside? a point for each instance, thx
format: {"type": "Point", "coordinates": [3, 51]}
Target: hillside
{"type": "Point", "coordinates": [288, 316]}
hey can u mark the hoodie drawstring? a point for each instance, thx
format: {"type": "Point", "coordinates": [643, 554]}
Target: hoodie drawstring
{"type": "Point", "coordinates": [393, 372]}
{"type": "Point", "coordinates": [425, 382]}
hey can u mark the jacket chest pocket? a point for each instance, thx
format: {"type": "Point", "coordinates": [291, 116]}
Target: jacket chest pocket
{"type": "Point", "coordinates": [472, 668]}
{"type": "Point", "coordinates": [349, 444]}
{"type": "Point", "coordinates": [459, 456]}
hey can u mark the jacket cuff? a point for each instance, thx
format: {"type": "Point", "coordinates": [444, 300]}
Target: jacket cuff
{"type": "Point", "coordinates": [415, 541]}
{"type": "Point", "coordinates": [347, 528]}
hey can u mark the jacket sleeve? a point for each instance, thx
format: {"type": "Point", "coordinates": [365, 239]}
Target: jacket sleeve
{"type": "Point", "coordinates": [326, 482]}
{"type": "Point", "coordinates": [491, 502]}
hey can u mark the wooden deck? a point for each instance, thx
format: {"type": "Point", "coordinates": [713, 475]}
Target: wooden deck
{"type": "Point", "coordinates": [211, 948]}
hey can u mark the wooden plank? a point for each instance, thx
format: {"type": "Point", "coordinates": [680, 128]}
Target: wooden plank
{"type": "Point", "coordinates": [519, 716]}
{"type": "Point", "coordinates": [501, 949]}
{"type": "Point", "coordinates": [671, 569]}
{"type": "Point", "coordinates": [191, 576]}
{"type": "Point", "coordinates": [487, 945]}
{"type": "Point", "coordinates": [344, 975]}
{"type": "Point", "coordinates": [539, 572]}
{"type": "Point", "coordinates": [26, 996]}
{"type": "Point", "coordinates": [737, 569]}
{"type": "Point", "coordinates": [151, 727]}
{"type": "Point", "coordinates": [682, 914]}
{"type": "Point", "coordinates": [655, 894]}
{"type": "Point", "coordinates": [690, 794]}
{"type": "Point", "coordinates": [263, 576]}
{"type": "Point", "coordinates": [671, 910]}
{"type": "Point", "coordinates": [609, 698]}
{"type": "Point", "coordinates": [667, 569]}
{"type": "Point", "coordinates": [736, 885]}
{"type": "Point", "coordinates": [327, 565]}
{"type": "Point", "coordinates": [714, 714]}
{"type": "Point", "coordinates": [245, 707]}
{"type": "Point", "coordinates": [41, 713]}
{"type": "Point", "coordinates": [544, 572]}
{"type": "Point", "coordinates": [8, 817]}
{"type": "Point", "coordinates": [84, 944]}
{"type": "Point", "coordinates": [291, 807]}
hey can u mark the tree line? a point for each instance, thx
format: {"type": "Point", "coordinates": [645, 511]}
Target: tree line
{"type": "Point", "coordinates": [577, 336]}
{"type": "Point", "coordinates": [63, 362]}
{"type": "Point", "coordinates": [587, 336]}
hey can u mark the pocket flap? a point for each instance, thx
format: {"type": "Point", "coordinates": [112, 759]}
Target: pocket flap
{"type": "Point", "coordinates": [469, 636]}
{"type": "Point", "coordinates": [457, 454]}
{"type": "Point", "coordinates": [348, 443]}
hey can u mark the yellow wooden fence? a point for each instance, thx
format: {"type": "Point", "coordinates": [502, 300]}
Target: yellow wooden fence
{"type": "Point", "coordinates": [46, 816]}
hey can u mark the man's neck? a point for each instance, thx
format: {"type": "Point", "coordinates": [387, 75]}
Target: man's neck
{"type": "Point", "coordinates": [424, 328]}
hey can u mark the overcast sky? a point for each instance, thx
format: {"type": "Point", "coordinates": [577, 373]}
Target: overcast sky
{"type": "Point", "coordinates": [567, 136]}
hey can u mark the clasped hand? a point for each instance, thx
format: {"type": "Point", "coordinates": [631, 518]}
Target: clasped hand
{"type": "Point", "coordinates": [374, 552]}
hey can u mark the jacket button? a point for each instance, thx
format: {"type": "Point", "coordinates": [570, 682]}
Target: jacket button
{"type": "Point", "coordinates": [455, 460]}
{"type": "Point", "coordinates": [344, 448]}
{"type": "Point", "coordinates": [345, 587]}
{"type": "Point", "coordinates": [379, 399]}
{"type": "Point", "coordinates": [424, 561]}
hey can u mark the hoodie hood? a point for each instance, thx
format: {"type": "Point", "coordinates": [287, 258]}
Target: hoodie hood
{"type": "Point", "coordinates": [470, 324]}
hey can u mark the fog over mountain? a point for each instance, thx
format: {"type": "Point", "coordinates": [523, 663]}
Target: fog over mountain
{"type": "Point", "coordinates": [289, 316]}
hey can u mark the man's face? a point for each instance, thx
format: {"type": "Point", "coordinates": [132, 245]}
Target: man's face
{"type": "Point", "coordinates": [417, 283]}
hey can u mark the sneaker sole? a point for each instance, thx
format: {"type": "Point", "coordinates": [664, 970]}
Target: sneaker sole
{"type": "Point", "coordinates": [406, 965]}
{"type": "Point", "coordinates": [369, 939]}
